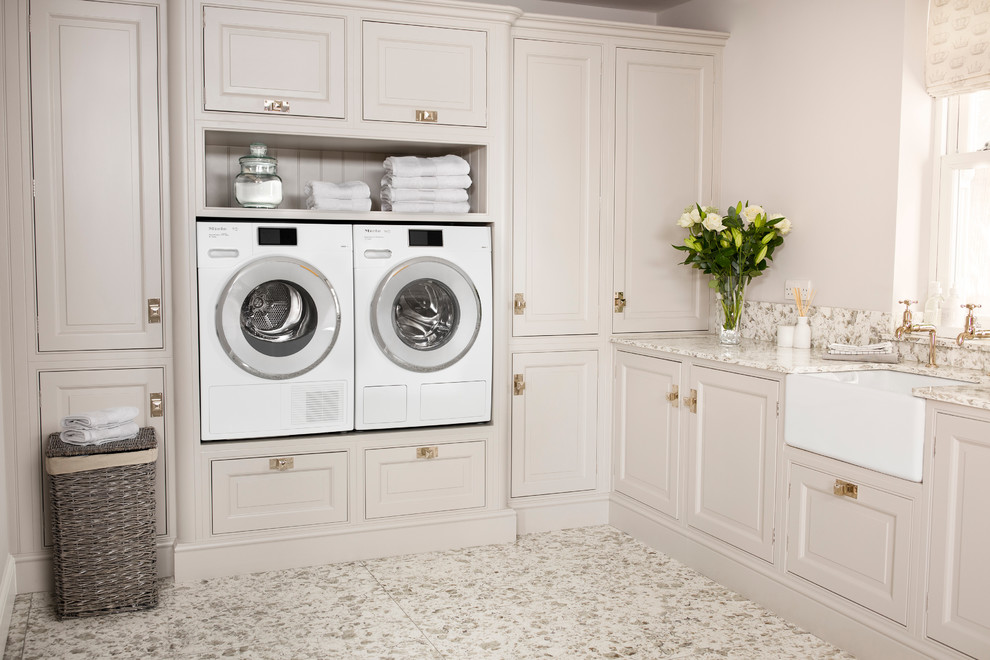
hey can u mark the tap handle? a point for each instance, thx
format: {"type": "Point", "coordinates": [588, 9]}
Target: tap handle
{"type": "Point", "coordinates": [907, 310]}
{"type": "Point", "coordinates": [970, 307]}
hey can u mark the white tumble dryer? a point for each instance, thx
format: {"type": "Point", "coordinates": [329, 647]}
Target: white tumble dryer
{"type": "Point", "coordinates": [276, 334]}
{"type": "Point", "coordinates": [423, 325]}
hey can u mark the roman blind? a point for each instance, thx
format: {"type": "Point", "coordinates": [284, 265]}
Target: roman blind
{"type": "Point", "coordinates": [958, 50]}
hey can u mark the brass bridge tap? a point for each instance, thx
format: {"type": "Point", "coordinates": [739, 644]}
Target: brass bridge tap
{"type": "Point", "coordinates": [908, 328]}
{"type": "Point", "coordinates": [969, 330]}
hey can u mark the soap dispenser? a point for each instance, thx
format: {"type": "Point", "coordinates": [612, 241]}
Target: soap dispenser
{"type": "Point", "coordinates": [933, 305]}
{"type": "Point", "coordinates": [952, 313]}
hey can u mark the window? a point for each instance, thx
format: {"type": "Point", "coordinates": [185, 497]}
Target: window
{"type": "Point", "coordinates": [962, 256]}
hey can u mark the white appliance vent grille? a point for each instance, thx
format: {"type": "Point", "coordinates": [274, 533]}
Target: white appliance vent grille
{"type": "Point", "coordinates": [311, 406]}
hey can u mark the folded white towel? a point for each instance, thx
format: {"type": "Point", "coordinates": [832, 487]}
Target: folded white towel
{"type": "Point", "coordinates": [345, 190]}
{"type": "Point", "coordinates": [427, 207]}
{"type": "Point", "coordinates": [449, 165]}
{"type": "Point", "coordinates": [330, 204]}
{"type": "Point", "coordinates": [100, 436]}
{"type": "Point", "coordinates": [97, 419]}
{"type": "Point", "coordinates": [849, 349]}
{"type": "Point", "coordinates": [421, 182]}
{"type": "Point", "coordinates": [390, 194]}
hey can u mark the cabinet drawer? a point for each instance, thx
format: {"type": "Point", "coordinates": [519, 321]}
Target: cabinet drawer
{"type": "Point", "coordinates": [407, 480]}
{"type": "Point", "coordinates": [255, 57]}
{"type": "Point", "coordinates": [856, 547]}
{"type": "Point", "coordinates": [411, 68]}
{"type": "Point", "coordinates": [278, 491]}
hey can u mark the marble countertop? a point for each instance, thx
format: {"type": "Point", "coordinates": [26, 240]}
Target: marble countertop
{"type": "Point", "coordinates": [758, 354]}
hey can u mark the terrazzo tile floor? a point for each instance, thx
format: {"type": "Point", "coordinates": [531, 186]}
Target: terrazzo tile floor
{"type": "Point", "coordinates": [593, 592]}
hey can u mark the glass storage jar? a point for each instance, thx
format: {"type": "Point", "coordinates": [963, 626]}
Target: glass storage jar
{"type": "Point", "coordinates": [258, 186]}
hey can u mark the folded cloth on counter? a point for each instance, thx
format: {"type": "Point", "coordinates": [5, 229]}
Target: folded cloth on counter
{"type": "Point", "coordinates": [390, 194]}
{"type": "Point", "coordinates": [863, 357]}
{"type": "Point", "coordinates": [346, 190]}
{"type": "Point", "coordinates": [420, 182]}
{"type": "Point", "coordinates": [426, 207]}
{"type": "Point", "coordinates": [849, 349]}
{"type": "Point", "coordinates": [329, 204]}
{"type": "Point", "coordinates": [100, 436]}
{"type": "Point", "coordinates": [449, 165]}
{"type": "Point", "coordinates": [98, 419]}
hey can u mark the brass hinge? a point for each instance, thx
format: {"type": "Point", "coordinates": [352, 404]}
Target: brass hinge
{"type": "Point", "coordinates": [620, 302]}
{"type": "Point", "coordinates": [155, 402]}
{"type": "Point", "coordinates": [673, 397]}
{"type": "Point", "coordinates": [518, 384]}
{"type": "Point", "coordinates": [692, 401]}
{"type": "Point", "coordinates": [519, 304]}
{"type": "Point", "coordinates": [281, 464]}
{"type": "Point", "coordinates": [845, 489]}
{"type": "Point", "coordinates": [773, 536]}
{"type": "Point", "coordinates": [778, 409]}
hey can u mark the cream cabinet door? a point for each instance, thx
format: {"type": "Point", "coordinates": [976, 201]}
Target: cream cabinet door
{"type": "Point", "coordinates": [273, 62]}
{"type": "Point", "coordinates": [410, 70]}
{"type": "Point", "coordinates": [958, 569]}
{"type": "Point", "coordinates": [554, 422]}
{"type": "Point", "coordinates": [97, 173]}
{"type": "Point", "coordinates": [647, 429]}
{"type": "Point", "coordinates": [556, 185]}
{"type": "Point", "coordinates": [664, 161]}
{"type": "Point", "coordinates": [857, 546]}
{"type": "Point", "coordinates": [272, 492]}
{"type": "Point", "coordinates": [732, 446]}
{"type": "Point", "coordinates": [72, 392]}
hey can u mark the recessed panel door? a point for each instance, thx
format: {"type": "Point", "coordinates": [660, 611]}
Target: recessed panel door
{"type": "Point", "coordinates": [97, 174]}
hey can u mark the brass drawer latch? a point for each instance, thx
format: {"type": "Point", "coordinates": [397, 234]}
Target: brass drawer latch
{"type": "Point", "coordinates": [429, 116]}
{"type": "Point", "coordinates": [276, 105]}
{"type": "Point", "coordinates": [281, 464]}
{"type": "Point", "coordinates": [427, 452]}
{"type": "Point", "coordinates": [692, 401]}
{"type": "Point", "coordinates": [519, 304]}
{"type": "Point", "coordinates": [518, 384]}
{"type": "Point", "coordinates": [673, 396]}
{"type": "Point", "coordinates": [845, 489]}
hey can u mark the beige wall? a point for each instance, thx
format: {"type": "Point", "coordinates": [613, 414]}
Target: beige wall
{"type": "Point", "coordinates": [824, 120]}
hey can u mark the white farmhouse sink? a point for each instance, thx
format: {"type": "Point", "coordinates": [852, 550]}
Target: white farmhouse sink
{"type": "Point", "coordinates": [867, 418]}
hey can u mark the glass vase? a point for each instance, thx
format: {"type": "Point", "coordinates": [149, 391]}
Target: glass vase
{"type": "Point", "coordinates": [731, 297]}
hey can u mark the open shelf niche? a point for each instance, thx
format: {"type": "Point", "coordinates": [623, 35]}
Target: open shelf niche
{"type": "Point", "coordinates": [303, 158]}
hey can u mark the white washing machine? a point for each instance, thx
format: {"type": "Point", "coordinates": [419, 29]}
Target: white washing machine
{"type": "Point", "coordinates": [423, 325]}
{"type": "Point", "coordinates": [276, 334]}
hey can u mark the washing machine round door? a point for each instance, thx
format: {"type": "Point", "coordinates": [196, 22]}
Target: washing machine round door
{"type": "Point", "coordinates": [277, 317]}
{"type": "Point", "coordinates": [425, 314]}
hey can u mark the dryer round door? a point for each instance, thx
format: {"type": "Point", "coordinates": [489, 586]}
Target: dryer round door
{"type": "Point", "coordinates": [425, 314]}
{"type": "Point", "coordinates": [277, 318]}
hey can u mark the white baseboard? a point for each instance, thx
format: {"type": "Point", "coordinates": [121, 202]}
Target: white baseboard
{"type": "Point", "coordinates": [838, 622]}
{"type": "Point", "coordinates": [195, 561]}
{"type": "Point", "coordinates": [34, 571]}
{"type": "Point", "coordinates": [8, 589]}
{"type": "Point", "coordinates": [544, 514]}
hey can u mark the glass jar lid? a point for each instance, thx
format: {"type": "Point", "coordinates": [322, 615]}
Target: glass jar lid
{"type": "Point", "coordinates": [258, 160]}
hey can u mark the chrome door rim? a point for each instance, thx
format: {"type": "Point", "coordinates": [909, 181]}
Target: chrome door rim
{"type": "Point", "coordinates": [228, 320]}
{"type": "Point", "coordinates": [461, 340]}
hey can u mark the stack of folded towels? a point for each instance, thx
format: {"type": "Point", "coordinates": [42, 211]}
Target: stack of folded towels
{"type": "Point", "coordinates": [347, 196]}
{"type": "Point", "coordinates": [880, 352]}
{"type": "Point", "coordinates": [100, 426]}
{"type": "Point", "coordinates": [426, 185]}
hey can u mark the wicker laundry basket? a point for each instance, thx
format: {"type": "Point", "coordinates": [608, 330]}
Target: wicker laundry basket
{"type": "Point", "coordinates": [103, 525]}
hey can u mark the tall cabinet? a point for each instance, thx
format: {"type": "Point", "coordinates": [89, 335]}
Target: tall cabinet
{"type": "Point", "coordinates": [91, 307]}
{"type": "Point", "coordinates": [614, 131]}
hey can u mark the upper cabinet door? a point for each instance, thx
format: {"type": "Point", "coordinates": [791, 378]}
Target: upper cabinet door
{"type": "Point", "coordinates": [664, 157]}
{"type": "Point", "coordinates": [556, 185]}
{"type": "Point", "coordinates": [273, 63]}
{"type": "Point", "coordinates": [423, 74]}
{"type": "Point", "coordinates": [98, 198]}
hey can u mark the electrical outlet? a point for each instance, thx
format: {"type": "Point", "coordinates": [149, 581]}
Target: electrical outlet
{"type": "Point", "coordinates": [803, 285]}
